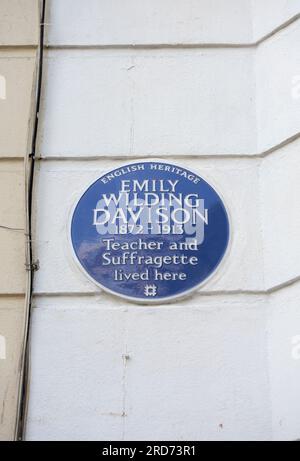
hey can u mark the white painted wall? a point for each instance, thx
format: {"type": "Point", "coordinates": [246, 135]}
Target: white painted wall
{"type": "Point", "coordinates": [219, 365]}
{"type": "Point", "coordinates": [150, 22]}
{"type": "Point", "coordinates": [158, 102]}
{"type": "Point", "coordinates": [192, 367]}
{"type": "Point", "coordinates": [278, 72]}
{"type": "Point", "coordinates": [284, 358]}
{"type": "Point", "coordinates": [281, 218]}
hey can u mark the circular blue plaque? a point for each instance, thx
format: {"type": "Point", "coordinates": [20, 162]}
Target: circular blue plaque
{"type": "Point", "coordinates": [150, 231]}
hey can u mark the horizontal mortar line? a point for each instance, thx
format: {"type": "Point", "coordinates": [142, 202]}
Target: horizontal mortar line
{"type": "Point", "coordinates": [175, 45]}
{"type": "Point", "coordinates": [211, 293]}
{"type": "Point", "coordinates": [262, 154]}
{"type": "Point", "coordinates": [12, 295]}
{"type": "Point", "coordinates": [14, 158]}
{"type": "Point", "coordinates": [17, 47]}
{"type": "Point", "coordinates": [94, 294]}
{"type": "Point", "coordinates": [148, 46]}
{"type": "Point", "coordinates": [114, 302]}
{"type": "Point", "coordinates": [119, 157]}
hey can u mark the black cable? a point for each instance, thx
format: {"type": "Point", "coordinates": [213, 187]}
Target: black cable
{"type": "Point", "coordinates": [22, 409]}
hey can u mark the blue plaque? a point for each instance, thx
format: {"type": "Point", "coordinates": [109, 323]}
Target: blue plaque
{"type": "Point", "coordinates": [150, 231]}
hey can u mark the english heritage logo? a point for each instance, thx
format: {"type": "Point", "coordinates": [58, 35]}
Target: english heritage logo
{"type": "Point", "coordinates": [150, 231]}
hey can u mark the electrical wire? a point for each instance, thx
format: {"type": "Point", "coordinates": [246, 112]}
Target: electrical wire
{"type": "Point", "coordinates": [31, 266]}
